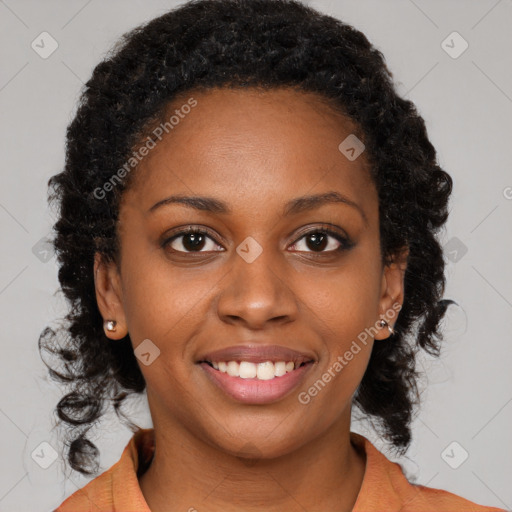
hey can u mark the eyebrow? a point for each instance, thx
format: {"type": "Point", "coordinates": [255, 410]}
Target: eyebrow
{"type": "Point", "coordinates": [293, 207]}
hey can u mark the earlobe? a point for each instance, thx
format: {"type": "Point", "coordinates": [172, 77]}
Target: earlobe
{"type": "Point", "coordinates": [109, 298]}
{"type": "Point", "coordinates": [392, 295]}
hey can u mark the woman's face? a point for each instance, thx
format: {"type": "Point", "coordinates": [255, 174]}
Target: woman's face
{"type": "Point", "coordinates": [265, 273]}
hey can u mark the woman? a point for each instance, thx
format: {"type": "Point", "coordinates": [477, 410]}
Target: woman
{"type": "Point", "coordinates": [247, 231]}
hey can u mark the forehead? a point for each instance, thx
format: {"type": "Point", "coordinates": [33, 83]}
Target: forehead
{"type": "Point", "coordinates": [234, 142]}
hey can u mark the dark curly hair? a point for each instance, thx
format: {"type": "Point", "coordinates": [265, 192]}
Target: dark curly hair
{"type": "Point", "coordinates": [267, 44]}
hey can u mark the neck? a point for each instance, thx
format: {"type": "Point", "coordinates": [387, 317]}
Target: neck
{"type": "Point", "coordinates": [189, 474]}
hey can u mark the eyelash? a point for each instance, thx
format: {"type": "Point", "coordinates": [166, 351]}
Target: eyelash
{"type": "Point", "coordinates": [345, 243]}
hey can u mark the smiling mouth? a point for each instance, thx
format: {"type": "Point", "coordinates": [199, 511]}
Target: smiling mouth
{"type": "Point", "coordinates": [266, 370]}
{"type": "Point", "coordinates": [260, 382]}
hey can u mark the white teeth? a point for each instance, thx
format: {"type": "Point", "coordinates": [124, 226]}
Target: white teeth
{"type": "Point", "coordinates": [280, 367]}
{"type": "Point", "coordinates": [266, 371]}
{"type": "Point", "coordinates": [233, 369]}
{"type": "Point", "coordinates": [248, 370]}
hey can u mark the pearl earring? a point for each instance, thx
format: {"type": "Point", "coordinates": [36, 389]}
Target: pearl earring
{"type": "Point", "coordinates": [110, 325]}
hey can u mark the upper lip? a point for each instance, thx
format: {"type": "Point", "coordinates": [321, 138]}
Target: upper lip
{"type": "Point", "coordinates": [257, 354]}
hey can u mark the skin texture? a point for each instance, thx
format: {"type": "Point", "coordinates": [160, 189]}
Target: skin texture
{"type": "Point", "coordinates": [254, 151]}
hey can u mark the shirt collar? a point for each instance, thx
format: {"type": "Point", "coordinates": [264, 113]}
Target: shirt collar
{"type": "Point", "coordinates": [118, 489]}
{"type": "Point", "coordinates": [380, 481]}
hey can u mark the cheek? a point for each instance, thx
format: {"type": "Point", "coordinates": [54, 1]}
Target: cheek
{"type": "Point", "coordinates": [162, 302]}
{"type": "Point", "coordinates": [344, 302]}
{"type": "Point", "coordinates": [330, 393]}
{"type": "Point", "coordinates": [345, 308]}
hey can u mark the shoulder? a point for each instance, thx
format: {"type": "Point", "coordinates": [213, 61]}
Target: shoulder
{"type": "Point", "coordinates": [94, 495]}
{"type": "Point", "coordinates": [118, 487]}
{"type": "Point", "coordinates": [385, 487]}
{"type": "Point", "coordinates": [439, 500]}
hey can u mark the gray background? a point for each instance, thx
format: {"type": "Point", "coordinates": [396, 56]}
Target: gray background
{"type": "Point", "coordinates": [467, 105]}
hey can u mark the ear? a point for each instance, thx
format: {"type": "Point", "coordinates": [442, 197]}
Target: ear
{"type": "Point", "coordinates": [392, 292]}
{"type": "Point", "coordinates": [107, 283]}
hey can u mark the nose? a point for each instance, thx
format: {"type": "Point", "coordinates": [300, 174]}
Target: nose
{"type": "Point", "coordinates": [257, 293]}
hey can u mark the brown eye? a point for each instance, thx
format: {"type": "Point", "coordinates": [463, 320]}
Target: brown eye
{"type": "Point", "coordinates": [191, 240]}
{"type": "Point", "coordinates": [317, 241]}
{"type": "Point", "coordinates": [322, 241]}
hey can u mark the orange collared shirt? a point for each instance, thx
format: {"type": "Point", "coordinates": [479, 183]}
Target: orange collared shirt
{"type": "Point", "coordinates": [384, 487]}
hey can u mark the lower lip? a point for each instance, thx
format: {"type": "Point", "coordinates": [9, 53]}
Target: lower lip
{"type": "Point", "coordinates": [255, 391]}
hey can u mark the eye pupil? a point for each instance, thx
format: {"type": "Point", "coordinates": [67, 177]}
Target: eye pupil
{"type": "Point", "coordinates": [195, 239]}
{"type": "Point", "coordinates": [319, 241]}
